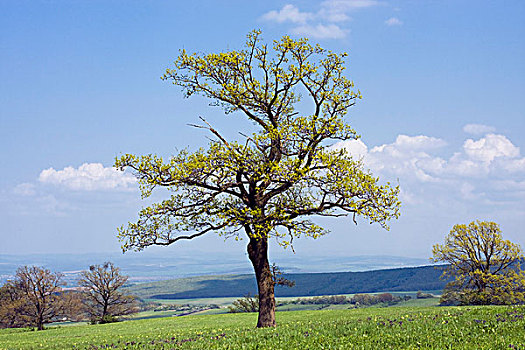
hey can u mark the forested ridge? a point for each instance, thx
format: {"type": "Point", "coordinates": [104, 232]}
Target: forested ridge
{"type": "Point", "coordinates": [306, 284]}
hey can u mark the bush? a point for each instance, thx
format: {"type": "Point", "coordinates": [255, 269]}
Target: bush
{"type": "Point", "coordinates": [105, 319]}
{"type": "Point", "coordinates": [246, 304]}
{"type": "Point", "coordinates": [421, 295]}
{"type": "Point", "coordinates": [373, 299]}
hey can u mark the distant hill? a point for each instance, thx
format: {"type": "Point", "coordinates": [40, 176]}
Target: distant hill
{"type": "Point", "coordinates": [164, 265]}
{"type": "Point", "coordinates": [306, 284]}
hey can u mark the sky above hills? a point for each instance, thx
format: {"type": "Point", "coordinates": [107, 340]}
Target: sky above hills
{"type": "Point", "coordinates": [442, 114]}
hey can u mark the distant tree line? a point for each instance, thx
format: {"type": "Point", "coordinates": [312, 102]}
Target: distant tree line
{"type": "Point", "coordinates": [357, 299]}
{"type": "Point", "coordinates": [249, 304]}
{"type": "Point", "coordinates": [36, 296]}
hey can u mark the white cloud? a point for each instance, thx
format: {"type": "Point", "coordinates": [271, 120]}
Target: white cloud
{"type": "Point", "coordinates": [324, 23]}
{"type": "Point", "coordinates": [418, 143]}
{"type": "Point", "coordinates": [356, 148]}
{"type": "Point", "coordinates": [88, 177]}
{"type": "Point", "coordinates": [478, 129]}
{"type": "Point", "coordinates": [490, 169]}
{"type": "Point", "coordinates": [320, 31]}
{"type": "Point", "coordinates": [393, 21]}
{"type": "Point", "coordinates": [489, 147]}
{"type": "Point", "coordinates": [289, 13]}
{"type": "Point", "coordinates": [406, 154]}
{"type": "Point", "coordinates": [487, 156]}
{"type": "Point", "coordinates": [511, 166]}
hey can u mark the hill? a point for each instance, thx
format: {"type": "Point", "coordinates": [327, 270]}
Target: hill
{"type": "Point", "coordinates": [164, 265]}
{"type": "Point", "coordinates": [306, 284]}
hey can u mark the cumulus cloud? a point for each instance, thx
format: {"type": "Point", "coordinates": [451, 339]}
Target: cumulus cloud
{"type": "Point", "coordinates": [393, 21]}
{"type": "Point", "coordinates": [489, 168]}
{"type": "Point", "coordinates": [478, 129]}
{"type": "Point", "coordinates": [356, 148]}
{"type": "Point", "coordinates": [320, 31]}
{"type": "Point", "coordinates": [490, 147]}
{"type": "Point", "coordinates": [88, 177]}
{"type": "Point", "coordinates": [325, 23]}
{"type": "Point", "coordinates": [414, 143]}
{"type": "Point", "coordinates": [408, 154]}
{"type": "Point", "coordinates": [487, 156]}
{"type": "Point", "coordinates": [289, 13]}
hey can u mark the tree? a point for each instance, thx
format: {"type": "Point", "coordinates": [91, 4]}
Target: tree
{"type": "Point", "coordinates": [246, 304]}
{"type": "Point", "coordinates": [33, 298]}
{"type": "Point", "coordinates": [11, 307]}
{"type": "Point", "coordinates": [277, 176]}
{"type": "Point", "coordinates": [103, 298]}
{"type": "Point", "coordinates": [249, 304]}
{"type": "Point", "coordinates": [74, 306]}
{"type": "Point", "coordinates": [486, 268]}
{"type": "Point", "coordinates": [278, 278]}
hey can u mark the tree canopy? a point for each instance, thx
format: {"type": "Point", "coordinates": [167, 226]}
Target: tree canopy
{"type": "Point", "coordinates": [273, 181]}
{"type": "Point", "coordinates": [102, 287]}
{"type": "Point", "coordinates": [32, 298]}
{"type": "Point", "coordinates": [485, 267]}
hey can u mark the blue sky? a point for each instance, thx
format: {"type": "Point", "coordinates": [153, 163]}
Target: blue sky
{"type": "Point", "coordinates": [443, 112]}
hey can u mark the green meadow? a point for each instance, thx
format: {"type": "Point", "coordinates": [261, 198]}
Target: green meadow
{"type": "Point", "coordinates": [489, 327]}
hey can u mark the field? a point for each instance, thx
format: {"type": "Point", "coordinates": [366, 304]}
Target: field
{"type": "Point", "coordinates": [367, 328]}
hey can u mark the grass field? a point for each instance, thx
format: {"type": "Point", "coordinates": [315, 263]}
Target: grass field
{"type": "Point", "coordinates": [283, 304]}
{"type": "Point", "coordinates": [369, 328]}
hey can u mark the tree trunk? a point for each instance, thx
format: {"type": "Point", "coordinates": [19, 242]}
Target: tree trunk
{"type": "Point", "coordinates": [40, 323]}
{"type": "Point", "coordinates": [39, 317]}
{"type": "Point", "coordinates": [258, 253]}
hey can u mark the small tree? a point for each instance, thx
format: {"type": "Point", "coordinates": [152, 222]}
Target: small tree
{"type": "Point", "coordinates": [251, 304]}
{"type": "Point", "coordinates": [103, 297]}
{"type": "Point", "coordinates": [246, 304]}
{"type": "Point", "coordinates": [33, 297]}
{"type": "Point", "coordinates": [278, 278]}
{"type": "Point", "coordinates": [274, 180]}
{"type": "Point", "coordinates": [485, 268]}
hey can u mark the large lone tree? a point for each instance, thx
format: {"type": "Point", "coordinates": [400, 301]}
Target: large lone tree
{"type": "Point", "coordinates": [271, 181]}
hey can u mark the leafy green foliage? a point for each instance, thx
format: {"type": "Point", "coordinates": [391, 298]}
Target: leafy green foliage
{"type": "Point", "coordinates": [246, 304]}
{"type": "Point", "coordinates": [33, 298]}
{"type": "Point", "coordinates": [270, 184]}
{"type": "Point", "coordinates": [485, 267]}
{"type": "Point", "coordinates": [422, 295]}
{"type": "Point", "coordinates": [102, 290]}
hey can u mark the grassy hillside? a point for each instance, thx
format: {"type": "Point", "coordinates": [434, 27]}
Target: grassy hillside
{"type": "Point", "coordinates": [306, 284]}
{"type": "Point", "coordinates": [372, 328]}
